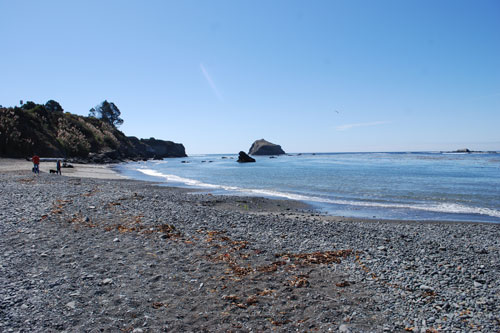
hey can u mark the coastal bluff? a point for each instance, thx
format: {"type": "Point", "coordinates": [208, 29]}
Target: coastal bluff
{"type": "Point", "coordinates": [48, 132]}
{"type": "Point", "coordinates": [263, 147]}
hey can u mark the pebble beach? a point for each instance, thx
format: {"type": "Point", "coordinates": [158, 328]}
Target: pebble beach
{"type": "Point", "coordinates": [91, 254]}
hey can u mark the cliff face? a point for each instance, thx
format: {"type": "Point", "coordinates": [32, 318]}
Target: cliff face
{"type": "Point", "coordinates": [160, 148]}
{"type": "Point", "coordinates": [263, 147]}
{"type": "Point", "coordinates": [25, 131]}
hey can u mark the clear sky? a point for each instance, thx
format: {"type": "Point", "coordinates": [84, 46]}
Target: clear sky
{"type": "Point", "coordinates": [312, 76]}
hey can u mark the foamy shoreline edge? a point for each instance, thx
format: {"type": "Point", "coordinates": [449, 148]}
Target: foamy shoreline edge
{"type": "Point", "coordinates": [109, 172]}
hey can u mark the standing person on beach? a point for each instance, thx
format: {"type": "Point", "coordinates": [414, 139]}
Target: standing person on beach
{"type": "Point", "coordinates": [58, 169]}
{"type": "Point", "coordinates": [36, 164]}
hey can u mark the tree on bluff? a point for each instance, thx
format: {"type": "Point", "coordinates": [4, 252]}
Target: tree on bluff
{"type": "Point", "coordinates": [107, 112]}
{"type": "Point", "coordinates": [53, 106]}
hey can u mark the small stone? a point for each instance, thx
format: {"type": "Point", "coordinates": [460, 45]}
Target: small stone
{"type": "Point", "coordinates": [107, 281]}
{"type": "Point", "coordinates": [71, 305]}
{"type": "Point", "coordinates": [137, 330]}
{"type": "Point", "coordinates": [382, 248]}
{"type": "Point", "coordinates": [344, 328]}
{"type": "Point", "coordinates": [423, 287]}
{"type": "Point", "coordinates": [477, 284]}
{"type": "Point", "coordinates": [24, 306]}
{"type": "Point", "coordinates": [116, 240]}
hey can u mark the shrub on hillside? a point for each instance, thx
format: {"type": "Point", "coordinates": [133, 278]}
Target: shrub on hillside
{"type": "Point", "coordinates": [72, 139]}
{"type": "Point", "coordinates": [28, 105]}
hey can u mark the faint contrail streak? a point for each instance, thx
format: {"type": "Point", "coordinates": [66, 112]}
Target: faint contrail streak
{"type": "Point", "coordinates": [211, 83]}
{"type": "Point", "coordinates": [349, 126]}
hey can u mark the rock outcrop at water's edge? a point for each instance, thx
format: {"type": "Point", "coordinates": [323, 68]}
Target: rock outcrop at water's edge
{"type": "Point", "coordinates": [159, 148]}
{"type": "Point", "coordinates": [244, 158]}
{"type": "Point", "coordinates": [263, 147]}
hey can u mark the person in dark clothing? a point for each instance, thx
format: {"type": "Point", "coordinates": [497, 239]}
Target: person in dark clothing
{"type": "Point", "coordinates": [58, 167]}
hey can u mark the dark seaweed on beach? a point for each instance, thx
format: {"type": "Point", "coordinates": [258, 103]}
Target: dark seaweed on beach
{"type": "Point", "coordinates": [125, 255]}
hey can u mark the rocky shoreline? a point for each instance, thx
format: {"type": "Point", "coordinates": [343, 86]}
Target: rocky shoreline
{"type": "Point", "coordinates": [81, 254]}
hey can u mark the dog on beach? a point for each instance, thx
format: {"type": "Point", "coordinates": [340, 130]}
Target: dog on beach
{"type": "Point", "coordinates": [52, 171]}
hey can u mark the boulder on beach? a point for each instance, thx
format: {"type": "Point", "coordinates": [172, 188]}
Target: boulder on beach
{"type": "Point", "coordinates": [263, 147]}
{"type": "Point", "coordinates": [244, 158]}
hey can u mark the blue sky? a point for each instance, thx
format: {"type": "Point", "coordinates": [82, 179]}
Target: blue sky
{"type": "Point", "coordinates": [312, 76]}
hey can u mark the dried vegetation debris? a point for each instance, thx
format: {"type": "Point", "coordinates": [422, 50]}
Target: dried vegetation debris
{"type": "Point", "coordinates": [227, 270]}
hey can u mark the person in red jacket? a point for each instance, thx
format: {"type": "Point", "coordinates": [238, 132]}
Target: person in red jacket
{"type": "Point", "coordinates": [36, 164]}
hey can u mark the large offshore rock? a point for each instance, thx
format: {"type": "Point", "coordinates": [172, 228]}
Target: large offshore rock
{"type": "Point", "coordinates": [263, 147]}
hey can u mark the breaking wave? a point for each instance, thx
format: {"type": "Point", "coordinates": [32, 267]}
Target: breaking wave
{"type": "Point", "coordinates": [438, 208]}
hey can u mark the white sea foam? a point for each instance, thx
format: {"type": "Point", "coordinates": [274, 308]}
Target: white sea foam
{"type": "Point", "coordinates": [438, 208]}
{"type": "Point", "coordinates": [187, 181]}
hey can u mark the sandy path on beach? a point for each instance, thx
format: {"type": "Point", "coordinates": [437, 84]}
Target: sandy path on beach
{"type": "Point", "coordinates": [103, 171]}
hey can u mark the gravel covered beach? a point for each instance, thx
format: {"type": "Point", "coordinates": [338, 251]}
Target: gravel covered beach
{"type": "Point", "coordinates": [83, 254]}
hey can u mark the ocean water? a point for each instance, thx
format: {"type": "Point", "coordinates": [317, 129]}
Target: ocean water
{"type": "Point", "coordinates": [408, 186]}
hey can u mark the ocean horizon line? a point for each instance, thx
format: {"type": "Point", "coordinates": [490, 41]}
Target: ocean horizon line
{"type": "Point", "coordinates": [367, 152]}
